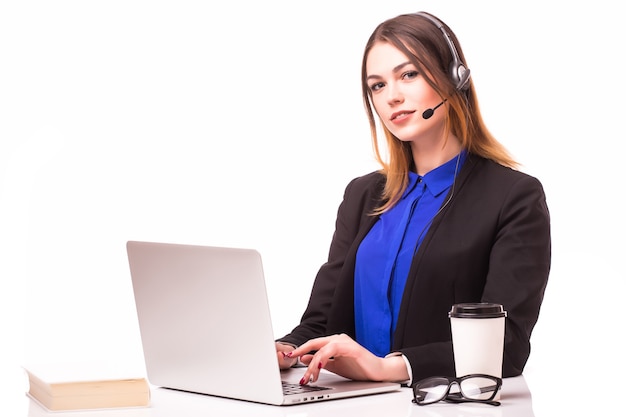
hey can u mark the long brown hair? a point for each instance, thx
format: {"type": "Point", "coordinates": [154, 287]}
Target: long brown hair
{"type": "Point", "coordinates": [423, 43]}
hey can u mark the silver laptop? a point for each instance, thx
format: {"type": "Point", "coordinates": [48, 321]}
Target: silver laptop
{"type": "Point", "coordinates": [206, 328]}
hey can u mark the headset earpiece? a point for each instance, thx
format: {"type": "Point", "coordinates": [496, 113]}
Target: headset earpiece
{"type": "Point", "coordinates": [461, 76]}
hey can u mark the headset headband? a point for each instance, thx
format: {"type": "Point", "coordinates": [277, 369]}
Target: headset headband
{"type": "Point", "coordinates": [459, 73]}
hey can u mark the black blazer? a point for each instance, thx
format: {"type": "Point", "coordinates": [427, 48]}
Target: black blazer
{"type": "Point", "coordinates": [491, 243]}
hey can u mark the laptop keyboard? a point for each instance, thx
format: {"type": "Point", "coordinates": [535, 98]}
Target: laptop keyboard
{"type": "Point", "coordinates": [289, 388]}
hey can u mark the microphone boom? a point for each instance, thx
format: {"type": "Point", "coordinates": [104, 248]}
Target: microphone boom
{"type": "Point", "coordinates": [428, 113]}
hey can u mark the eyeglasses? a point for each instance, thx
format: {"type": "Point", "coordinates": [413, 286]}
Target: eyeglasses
{"type": "Point", "coordinates": [470, 388]}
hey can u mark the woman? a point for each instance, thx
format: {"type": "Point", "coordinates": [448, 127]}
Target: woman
{"type": "Point", "coordinates": [448, 219]}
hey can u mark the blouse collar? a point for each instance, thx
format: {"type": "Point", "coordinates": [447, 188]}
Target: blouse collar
{"type": "Point", "coordinates": [439, 179]}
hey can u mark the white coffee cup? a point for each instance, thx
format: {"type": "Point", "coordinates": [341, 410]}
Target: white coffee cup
{"type": "Point", "coordinates": [478, 338]}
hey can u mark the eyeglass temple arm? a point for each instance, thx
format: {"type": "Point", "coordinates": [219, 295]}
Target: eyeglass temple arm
{"type": "Point", "coordinates": [457, 398]}
{"type": "Point", "coordinates": [489, 388]}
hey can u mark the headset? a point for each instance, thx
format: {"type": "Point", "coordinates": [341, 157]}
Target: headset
{"type": "Point", "coordinates": [459, 73]}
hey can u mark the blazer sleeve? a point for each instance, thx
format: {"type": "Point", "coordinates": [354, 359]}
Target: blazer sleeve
{"type": "Point", "coordinates": [519, 266]}
{"type": "Point", "coordinates": [352, 216]}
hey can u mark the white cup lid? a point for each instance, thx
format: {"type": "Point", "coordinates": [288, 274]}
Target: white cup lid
{"type": "Point", "coordinates": [477, 311]}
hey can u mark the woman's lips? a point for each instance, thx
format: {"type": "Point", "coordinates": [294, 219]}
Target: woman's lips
{"type": "Point", "coordinates": [400, 116]}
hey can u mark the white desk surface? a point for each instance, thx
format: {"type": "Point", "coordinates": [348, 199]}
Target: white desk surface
{"type": "Point", "coordinates": [516, 402]}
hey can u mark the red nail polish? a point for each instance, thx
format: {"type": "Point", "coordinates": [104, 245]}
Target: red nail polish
{"type": "Point", "coordinates": [302, 381]}
{"type": "Point", "coordinates": [319, 365]}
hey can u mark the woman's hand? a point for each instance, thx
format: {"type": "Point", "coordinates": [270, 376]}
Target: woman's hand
{"type": "Point", "coordinates": [342, 355]}
{"type": "Point", "coordinates": [285, 362]}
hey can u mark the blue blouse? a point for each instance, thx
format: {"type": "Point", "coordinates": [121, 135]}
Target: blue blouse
{"type": "Point", "coordinates": [384, 256]}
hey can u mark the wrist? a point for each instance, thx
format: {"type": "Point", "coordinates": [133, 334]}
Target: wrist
{"type": "Point", "coordinates": [396, 368]}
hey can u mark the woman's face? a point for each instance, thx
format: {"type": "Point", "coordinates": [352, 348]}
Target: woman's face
{"type": "Point", "coordinates": [400, 94]}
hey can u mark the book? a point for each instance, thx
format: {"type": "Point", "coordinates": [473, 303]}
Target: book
{"type": "Point", "coordinates": [83, 386]}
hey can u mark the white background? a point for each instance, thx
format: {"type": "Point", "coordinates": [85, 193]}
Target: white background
{"type": "Point", "coordinates": [240, 123]}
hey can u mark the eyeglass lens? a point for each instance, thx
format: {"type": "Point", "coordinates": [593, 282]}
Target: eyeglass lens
{"type": "Point", "coordinates": [435, 389]}
{"type": "Point", "coordinates": [478, 388]}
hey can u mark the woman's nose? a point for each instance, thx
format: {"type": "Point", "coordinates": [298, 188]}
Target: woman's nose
{"type": "Point", "coordinates": [394, 95]}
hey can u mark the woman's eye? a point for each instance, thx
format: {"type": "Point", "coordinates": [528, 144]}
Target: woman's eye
{"type": "Point", "coordinates": [409, 75]}
{"type": "Point", "coordinates": [377, 86]}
